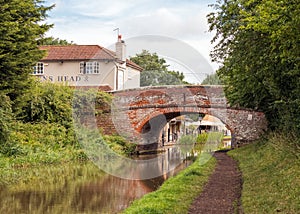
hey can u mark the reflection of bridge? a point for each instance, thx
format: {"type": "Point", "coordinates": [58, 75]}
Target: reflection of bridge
{"type": "Point", "coordinates": [145, 111]}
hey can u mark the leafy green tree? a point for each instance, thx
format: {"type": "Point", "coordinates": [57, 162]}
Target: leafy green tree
{"type": "Point", "coordinates": [156, 70]}
{"type": "Point", "coordinates": [258, 45]}
{"type": "Point", "coordinates": [55, 41]}
{"type": "Point", "coordinates": [212, 79]}
{"type": "Point", "coordinates": [22, 27]}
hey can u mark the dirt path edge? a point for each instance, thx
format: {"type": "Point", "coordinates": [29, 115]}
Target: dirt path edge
{"type": "Point", "coordinates": [222, 193]}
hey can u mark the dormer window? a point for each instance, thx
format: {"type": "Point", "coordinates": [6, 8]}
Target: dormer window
{"type": "Point", "coordinates": [38, 69]}
{"type": "Point", "coordinates": [89, 67]}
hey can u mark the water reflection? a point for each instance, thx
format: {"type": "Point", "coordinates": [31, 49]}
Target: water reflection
{"type": "Point", "coordinates": [79, 188]}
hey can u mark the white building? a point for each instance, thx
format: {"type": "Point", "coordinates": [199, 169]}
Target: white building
{"type": "Point", "coordinates": [89, 65]}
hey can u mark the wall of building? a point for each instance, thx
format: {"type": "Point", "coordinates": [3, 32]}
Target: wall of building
{"type": "Point", "coordinates": [132, 77]}
{"type": "Point", "coordinates": [68, 73]}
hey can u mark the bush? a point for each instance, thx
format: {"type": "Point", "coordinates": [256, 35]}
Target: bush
{"type": "Point", "coordinates": [119, 144]}
{"type": "Point", "coordinates": [47, 102]}
{"type": "Point", "coordinates": [202, 138]}
{"type": "Point", "coordinates": [50, 135]}
{"type": "Point", "coordinates": [7, 146]}
{"type": "Point", "coordinates": [210, 137]}
{"type": "Point", "coordinates": [5, 118]}
{"type": "Point", "coordinates": [288, 119]}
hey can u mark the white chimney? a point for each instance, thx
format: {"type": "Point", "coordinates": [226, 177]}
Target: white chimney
{"type": "Point", "coordinates": [121, 49]}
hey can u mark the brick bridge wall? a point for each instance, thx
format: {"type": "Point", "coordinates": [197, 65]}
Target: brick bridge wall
{"type": "Point", "coordinates": [142, 113]}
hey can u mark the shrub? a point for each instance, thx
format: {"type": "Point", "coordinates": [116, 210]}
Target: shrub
{"type": "Point", "coordinates": [210, 137]}
{"type": "Point", "coordinates": [187, 139]}
{"type": "Point", "coordinates": [7, 146]}
{"type": "Point", "coordinates": [47, 102]}
{"type": "Point", "coordinates": [119, 144]}
{"type": "Point", "coordinates": [5, 118]}
{"type": "Point", "coordinates": [202, 138]}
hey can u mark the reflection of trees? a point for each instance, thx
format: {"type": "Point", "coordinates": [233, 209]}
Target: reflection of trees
{"type": "Point", "coordinates": [110, 195]}
{"type": "Point", "coordinates": [75, 189]}
{"type": "Point", "coordinates": [81, 188]}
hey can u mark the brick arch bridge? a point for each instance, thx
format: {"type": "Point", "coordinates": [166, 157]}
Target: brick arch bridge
{"type": "Point", "coordinates": [143, 112]}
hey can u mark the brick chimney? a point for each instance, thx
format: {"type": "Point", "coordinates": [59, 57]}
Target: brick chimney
{"type": "Point", "coordinates": [121, 49]}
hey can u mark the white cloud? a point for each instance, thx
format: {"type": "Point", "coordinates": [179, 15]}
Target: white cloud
{"type": "Point", "coordinates": [93, 21]}
{"type": "Point", "coordinates": [102, 9]}
{"type": "Point", "coordinates": [167, 22]}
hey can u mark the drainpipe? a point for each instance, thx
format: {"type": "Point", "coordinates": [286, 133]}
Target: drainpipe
{"type": "Point", "coordinates": [117, 75]}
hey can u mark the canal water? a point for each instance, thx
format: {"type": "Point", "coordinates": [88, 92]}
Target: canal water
{"type": "Point", "coordinates": [79, 188]}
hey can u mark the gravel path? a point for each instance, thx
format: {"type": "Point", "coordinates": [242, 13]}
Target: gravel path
{"type": "Point", "coordinates": [223, 191]}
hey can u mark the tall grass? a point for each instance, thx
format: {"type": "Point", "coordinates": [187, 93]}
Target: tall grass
{"type": "Point", "coordinates": [271, 175]}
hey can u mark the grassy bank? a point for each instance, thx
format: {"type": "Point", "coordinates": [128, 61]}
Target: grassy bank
{"type": "Point", "coordinates": [177, 193]}
{"type": "Point", "coordinates": [271, 175]}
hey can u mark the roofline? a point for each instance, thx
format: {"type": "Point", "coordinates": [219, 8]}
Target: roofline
{"type": "Point", "coordinates": [75, 60]}
{"type": "Point", "coordinates": [110, 53]}
{"type": "Point", "coordinates": [135, 67]}
{"type": "Point", "coordinates": [107, 51]}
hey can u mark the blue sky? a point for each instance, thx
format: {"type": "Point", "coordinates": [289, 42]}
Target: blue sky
{"type": "Point", "coordinates": [93, 21]}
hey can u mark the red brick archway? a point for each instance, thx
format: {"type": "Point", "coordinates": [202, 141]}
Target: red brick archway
{"type": "Point", "coordinates": [134, 108]}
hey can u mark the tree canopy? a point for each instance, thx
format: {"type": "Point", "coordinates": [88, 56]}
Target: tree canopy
{"type": "Point", "coordinates": [22, 28]}
{"type": "Point", "coordinates": [212, 79]}
{"type": "Point", "coordinates": [258, 44]}
{"type": "Point", "coordinates": [156, 70]}
{"type": "Point", "coordinates": [55, 41]}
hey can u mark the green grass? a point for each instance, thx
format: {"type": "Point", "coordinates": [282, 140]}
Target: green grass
{"type": "Point", "coordinates": [271, 175]}
{"type": "Point", "coordinates": [177, 193]}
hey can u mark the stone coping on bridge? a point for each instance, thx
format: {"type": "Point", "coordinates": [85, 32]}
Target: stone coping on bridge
{"type": "Point", "coordinates": [166, 87]}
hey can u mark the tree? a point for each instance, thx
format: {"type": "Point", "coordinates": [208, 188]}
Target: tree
{"type": "Point", "coordinates": [212, 79]}
{"type": "Point", "coordinates": [22, 28]}
{"type": "Point", "coordinates": [156, 70]}
{"type": "Point", "coordinates": [55, 41]}
{"type": "Point", "coordinates": [258, 46]}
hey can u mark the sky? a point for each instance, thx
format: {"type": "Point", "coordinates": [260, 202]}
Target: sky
{"type": "Point", "coordinates": [182, 23]}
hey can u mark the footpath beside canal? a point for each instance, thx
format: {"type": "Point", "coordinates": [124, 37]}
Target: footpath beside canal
{"type": "Point", "coordinates": [223, 191]}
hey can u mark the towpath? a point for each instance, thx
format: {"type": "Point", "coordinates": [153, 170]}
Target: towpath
{"type": "Point", "coordinates": [222, 193]}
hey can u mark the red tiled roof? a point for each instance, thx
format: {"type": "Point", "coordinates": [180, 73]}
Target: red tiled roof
{"type": "Point", "coordinates": [76, 52]}
{"type": "Point", "coordinates": [81, 52]}
{"type": "Point", "coordinates": [133, 65]}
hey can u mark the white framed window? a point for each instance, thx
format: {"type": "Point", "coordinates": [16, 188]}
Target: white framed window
{"type": "Point", "coordinates": [38, 69]}
{"type": "Point", "coordinates": [89, 67]}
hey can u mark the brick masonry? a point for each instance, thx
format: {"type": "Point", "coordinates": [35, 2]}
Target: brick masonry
{"type": "Point", "coordinates": [141, 113]}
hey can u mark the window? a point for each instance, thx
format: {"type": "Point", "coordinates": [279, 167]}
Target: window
{"type": "Point", "coordinates": [38, 69]}
{"type": "Point", "coordinates": [89, 67]}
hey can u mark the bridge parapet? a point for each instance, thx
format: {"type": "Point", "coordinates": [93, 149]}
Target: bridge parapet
{"type": "Point", "coordinates": [171, 96]}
